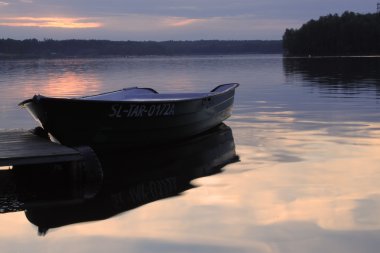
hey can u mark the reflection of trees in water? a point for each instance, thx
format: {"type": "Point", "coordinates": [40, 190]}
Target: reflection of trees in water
{"type": "Point", "coordinates": [353, 74]}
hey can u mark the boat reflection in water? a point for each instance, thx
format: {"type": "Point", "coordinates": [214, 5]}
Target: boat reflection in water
{"type": "Point", "coordinates": [130, 178]}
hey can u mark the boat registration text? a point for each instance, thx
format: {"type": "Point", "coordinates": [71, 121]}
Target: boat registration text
{"type": "Point", "coordinates": [137, 110]}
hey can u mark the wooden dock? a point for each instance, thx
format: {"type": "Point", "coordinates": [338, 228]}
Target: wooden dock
{"type": "Point", "coordinates": [22, 147]}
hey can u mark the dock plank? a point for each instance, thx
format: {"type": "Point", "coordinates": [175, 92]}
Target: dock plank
{"type": "Point", "coordinates": [20, 147]}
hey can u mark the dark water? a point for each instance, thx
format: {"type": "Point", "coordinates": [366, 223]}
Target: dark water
{"type": "Point", "coordinates": [307, 131]}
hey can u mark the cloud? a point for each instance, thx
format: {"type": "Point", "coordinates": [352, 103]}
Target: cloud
{"type": "Point", "coordinates": [156, 27]}
{"type": "Point", "coordinates": [144, 27]}
{"type": "Point", "coordinates": [175, 21]}
{"type": "Point", "coordinates": [165, 19]}
{"type": "Point", "coordinates": [57, 22]}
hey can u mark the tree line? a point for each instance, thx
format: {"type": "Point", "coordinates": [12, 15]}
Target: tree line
{"type": "Point", "coordinates": [33, 48]}
{"type": "Point", "coordinates": [347, 34]}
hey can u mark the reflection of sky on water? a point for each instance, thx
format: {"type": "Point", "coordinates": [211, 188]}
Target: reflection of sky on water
{"type": "Point", "coordinates": [307, 180]}
{"type": "Point", "coordinates": [309, 176]}
{"type": "Point", "coordinates": [20, 80]}
{"type": "Point", "coordinates": [327, 198]}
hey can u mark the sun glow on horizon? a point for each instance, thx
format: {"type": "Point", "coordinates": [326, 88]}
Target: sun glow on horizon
{"type": "Point", "coordinates": [57, 22]}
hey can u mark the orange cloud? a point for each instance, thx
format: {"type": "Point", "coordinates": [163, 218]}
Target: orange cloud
{"type": "Point", "coordinates": [182, 21]}
{"type": "Point", "coordinates": [73, 23]}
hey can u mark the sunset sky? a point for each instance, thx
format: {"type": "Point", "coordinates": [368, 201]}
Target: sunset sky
{"type": "Point", "coordinates": [164, 19]}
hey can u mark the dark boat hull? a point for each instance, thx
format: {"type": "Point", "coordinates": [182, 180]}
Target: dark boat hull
{"type": "Point", "coordinates": [97, 123]}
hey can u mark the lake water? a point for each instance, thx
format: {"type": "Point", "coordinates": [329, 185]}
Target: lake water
{"type": "Point", "coordinates": [307, 131]}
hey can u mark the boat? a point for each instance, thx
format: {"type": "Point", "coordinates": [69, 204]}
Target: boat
{"type": "Point", "coordinates": [131, 116]}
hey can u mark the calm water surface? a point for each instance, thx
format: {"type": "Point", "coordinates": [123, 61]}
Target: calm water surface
{"type": "Point", "coordinates": [307, 132]}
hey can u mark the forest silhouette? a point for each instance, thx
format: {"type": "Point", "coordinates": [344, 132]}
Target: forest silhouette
{"type": "Point", "coordinates": [348, 34]}
{"type": "Point", "coordinates": [49, 48]}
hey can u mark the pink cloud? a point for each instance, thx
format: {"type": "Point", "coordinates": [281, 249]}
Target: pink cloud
{"type": "Point", "coordinates": [58, 22]}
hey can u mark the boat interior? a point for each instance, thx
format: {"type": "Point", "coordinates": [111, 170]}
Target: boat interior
{"type": "Point", "coordinates": [143, 94]}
